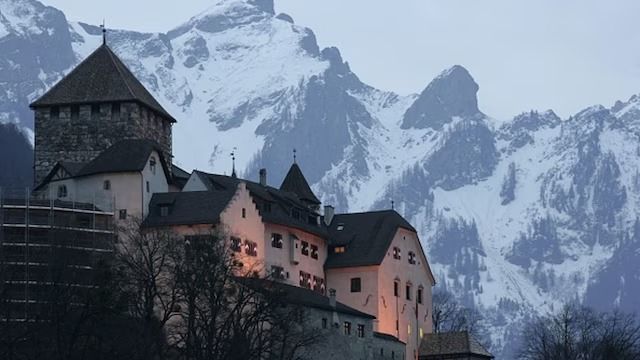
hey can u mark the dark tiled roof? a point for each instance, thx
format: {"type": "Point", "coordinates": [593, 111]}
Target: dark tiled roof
{"type": "Point", "coordinates": [305, 297]}
{"type": "Point", "coordinates": [275, 206]}
{"type": "Point", "coordinates": [124, 156]}
{"type": "Point", "coordinates": [296, 183]}
{"type": "Point", "coordinates": [73, 168]}
{"type": "Point", "coordinates": [387, 337]}
{"type": "Point", "coordinates": [101, 77]}
{"type": "Point", "coordinates": [180, 177]}
{"type": "Point", "coordinates": [367, 237]}
{"type": "Point", "coordinates": [435, 346]}
{"type": "Point", "coordinates": [188, 208]}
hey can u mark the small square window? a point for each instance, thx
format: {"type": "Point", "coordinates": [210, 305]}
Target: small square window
{"type": "Point", "coordinates": [339, 249]}
{"type": "Point", "coordinates": [277, 272]}
{"type": "Point", "coordinates": [318, 284]}
{"type": "Point", "coordinates": [122, 214]}
{"type": "Point", "coordinates": [276, 240]}
{"type": "Point", "coordinates": [412, 258]}
{"type": "Point", "coordinates": [164, 211]}
{"type": "Point", "coordinates": [250, 248]}
{"type": "Point", "coordinates": [396, 253]}
{"type": "Point", "coordinates": [106, 185]}
{"type": "Point", "coordinates": [236, 244]}
{"type": "Point", "coordinates": [356, 285]}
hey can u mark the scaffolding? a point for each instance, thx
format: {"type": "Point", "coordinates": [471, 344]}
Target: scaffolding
{"type": "Point", "coordinates": [47, 245]}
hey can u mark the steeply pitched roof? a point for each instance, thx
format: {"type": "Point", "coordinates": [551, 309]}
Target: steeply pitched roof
{"type": "Point", "coordinates": [305, 297]}
{"type": "Point", "coordinates": [296, 183]}
{"type": "Point", "coordinates": [124, 156]}
{"type": "Point", "coordinates": [180, 177]}
{"type": "Point", "coordinates": [367, 237]}
{"type": "Point", "coordinates": [275, 206]}
{"type": "Point", "coordinates": [101, 77]}
{"type": "Point", "coordinates": [436, 345]}
{"type": "Point", "coordinates": [188, 208]}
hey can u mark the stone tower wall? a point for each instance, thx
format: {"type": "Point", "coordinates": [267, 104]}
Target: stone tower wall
{"type": "Point", "coordinates": [84, 138]}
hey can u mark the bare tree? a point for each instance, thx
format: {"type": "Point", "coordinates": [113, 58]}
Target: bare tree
{"type": "Point", "coordinates": [579, 333]}
{"type": "Point", "coordinates": [449, 315]}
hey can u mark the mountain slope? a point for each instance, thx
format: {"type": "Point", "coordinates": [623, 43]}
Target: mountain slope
{"type": "Point", "coordinates": [517, 216]}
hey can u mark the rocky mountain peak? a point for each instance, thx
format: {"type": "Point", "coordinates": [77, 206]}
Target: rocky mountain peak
{"type": "Point", "coordinates": [451, 94]}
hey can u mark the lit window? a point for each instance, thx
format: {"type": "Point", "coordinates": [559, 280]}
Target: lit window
{"type": "Point", "coordinates": [421, 333]}
{"type": "Point", "coordinates": [305, 248]}
{"type": "Point", "coordinates": [106, 185]}
{"type": "Point", "coordinates": [62, 191]}
{"type": "Point", "coordinates": [340, 227]}
{"type": "Point", "coordinates": [409, 329]}
{"type": "Point", "coordinates": [314, 252]}
{"type": "Point", "coordinates": [356, 285]}
{"type": "Point", "coordinates": [396, 253]}
{"type": "Point", "coordinates": [152, 165]}
{"type": "Point", "coordinates": [360, 330]}
{"type": "Point", "coordinates": [339, 249]}
{"type": "Point", "coordinates": [276, 240]}
{"type": "Point", "coordinates": [347, 328]}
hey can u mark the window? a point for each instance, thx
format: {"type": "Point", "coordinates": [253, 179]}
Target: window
{"type": "Point", "coordinates": [340, 227]}
{"type": "Point", "coordinates": [396, 288]}
{"type": "Point", "coordinates": [419, 295]}
{"type": "Point", "coordinates": [408, 291]}
{"type": "Point", "coordinates": [421, 333]}
{"type": "Point", "coordinates": [412, 258]}
{"type": "Point", "coordinates": [360, 330]}
{"type": "Point", "coordinates": [339, 249]}
{"type": "Point", "coordinates": [277, 272]}
{"type": "Point", "coordinates": [347, 328]}
{"type": "Point", "coordinates": [75, 112]}
{"type": "Point", "coordinates": [408, 329]}
{"type": "Point", "coordinates": [318, 284]}
{"type": "Point", "coordinates": [356, 285]}
{"type": "Point", "coordinates": [106, 185]}
{"type": "Point", "coordinates": [164, 210]}
{"type": "Point", "coordinates": [152, 165]}
{"type": "Point", "coordinates": [115, 111]}
{"type": "Point", "coordinates": [276, 240]}
{"type": "Point", "coordinates": [122, 214]}
{"type": "Point", "coordinates": [314, 252]}
{"type": "Point", "coordinates": [244, 213]}
{"type": "Point", "coordinates": [250, 248]}
{"type": "Point", "coordinates": [236, 244]}
{"type": "Point", "coordinates": [325, 323]}
{"type": "Point", "coordinates": [148, 187]}
{"type": "Point", "coordinates": [62, 191]}
{"type": "Point", "coordinates": [305, 280]}
{"type": "Point", "coordinates": [396, 253]}
{"type": "Point", "coordinates": [95, 112]}
{"type": "Point", "coordinates": [305, 248]}
{"type": "Point", "coordinates": [54, 113]}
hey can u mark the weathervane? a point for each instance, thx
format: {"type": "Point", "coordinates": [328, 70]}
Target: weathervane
{"type": "Point", "coordinates": [104, 33]}
{"type": "Point", "coordinates": [233, 162]}
{"type": "Point", "coordinates": [393, 205]}
{"type": "Point", "coordinates": [295, 156]}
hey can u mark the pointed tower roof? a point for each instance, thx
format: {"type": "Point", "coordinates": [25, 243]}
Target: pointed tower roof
{"type": "Point", "coordinates": [296, 183]}
{"type": "Point", "coordinates": [101, 77]}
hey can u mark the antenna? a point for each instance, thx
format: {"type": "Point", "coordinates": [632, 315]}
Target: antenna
{"type": "Point", "coordinates": [104, 33]}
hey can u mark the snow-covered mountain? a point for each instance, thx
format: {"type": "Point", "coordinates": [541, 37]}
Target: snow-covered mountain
{"type": "Point", "coordinates": [517, 216]}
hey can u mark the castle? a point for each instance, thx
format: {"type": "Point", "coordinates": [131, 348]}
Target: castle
{"type": "Point", "coordinates": [99, 134]}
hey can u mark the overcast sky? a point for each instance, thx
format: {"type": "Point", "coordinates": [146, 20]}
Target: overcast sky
{"type": "Point", "coordinates": [564, 55]}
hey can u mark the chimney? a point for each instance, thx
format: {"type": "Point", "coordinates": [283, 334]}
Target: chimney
{"type": "Point", "coordinates": [263, 177]}
{"type": "Point", "coordinates": [329, 211]}
{"type": "Point", "coordinates": [332, 298]}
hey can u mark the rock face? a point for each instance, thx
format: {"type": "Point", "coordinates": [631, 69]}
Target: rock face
{"type": "Point", "coordinates": [15, 170]}
{"type": "Point", "coordinates": [516, 216]}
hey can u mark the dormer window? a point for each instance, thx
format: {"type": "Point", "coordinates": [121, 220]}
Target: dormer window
{"type": "Point", "coordinates": [152, 165]}
{"type": "Point", "coordinates": [62, 191]}
{"type": "Point", "coordinates": [339, 249]}
{"type": "Point", "coordinates": [164, 210]}
{"type": "Point", "coordinates": [340, 227]}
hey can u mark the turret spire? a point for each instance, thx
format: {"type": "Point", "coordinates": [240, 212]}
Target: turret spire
{"type": "Point", "coordinates": [104, 33]}
{"type": "Point", "coordinates": [233, 163]}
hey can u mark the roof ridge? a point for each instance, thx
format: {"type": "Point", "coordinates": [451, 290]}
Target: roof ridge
{"type": "Point", "coordinates": [117, 63]}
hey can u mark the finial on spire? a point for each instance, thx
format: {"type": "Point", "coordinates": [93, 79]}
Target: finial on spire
{"type": "Point", "coordinates": [104, 33]}
{"type": "Point", "coordinates": [393, 205]}
{"type": "Point", "coordinates": [295, 157]}
{"type": "Point", "coordinates": [233, 163]}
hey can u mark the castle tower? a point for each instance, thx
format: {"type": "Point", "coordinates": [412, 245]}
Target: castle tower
{"type": "Point", "coordinates": [96, 105]}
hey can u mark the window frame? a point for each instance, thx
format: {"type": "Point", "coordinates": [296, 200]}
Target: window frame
{"type": "Point", "coordinates": [347, 328]}
{"type": "Point", "coordinates": [314, 251]}
{"type": "Point", "coordinates": [360, 331]}
{"type": "Point", "coordinates": [62, 191]}
{"type": "Point", "coordinates": [356, 284]}
{"type": "Point", "coordinates": [277, 240]}
{"type": "Point", "coordinates": [304, 248]}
